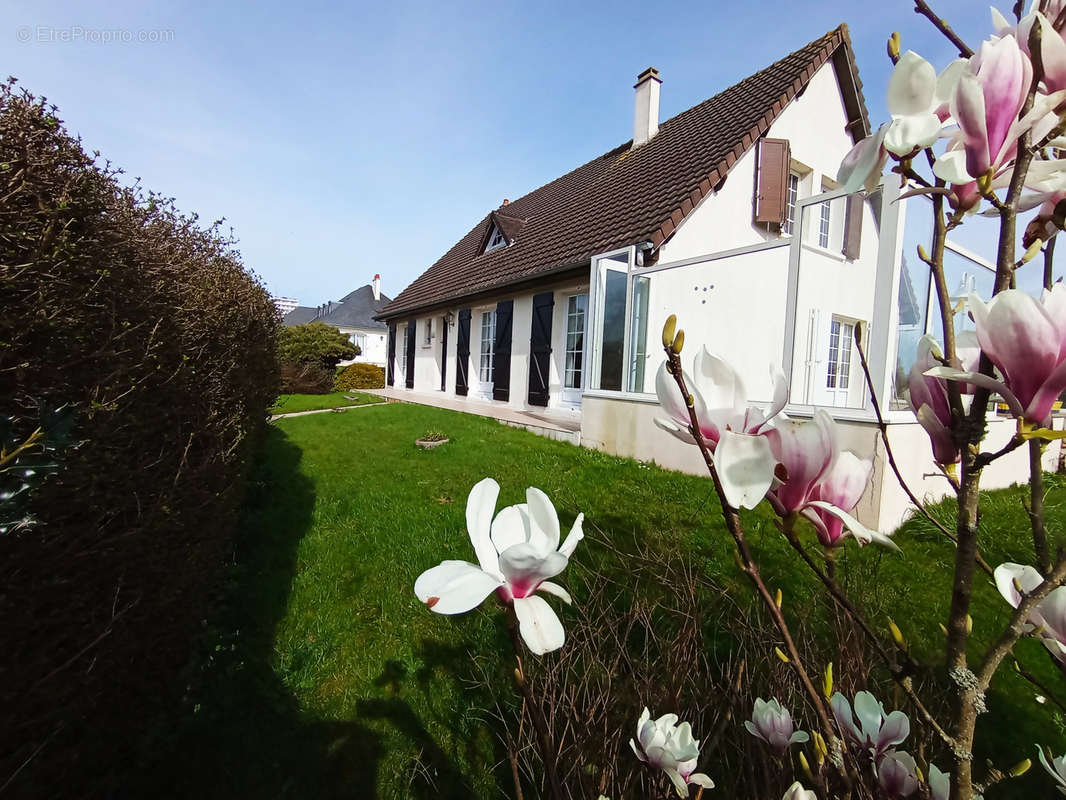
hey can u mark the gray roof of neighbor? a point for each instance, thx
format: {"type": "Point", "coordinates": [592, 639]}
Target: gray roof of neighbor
{"type": "Point", "coordinates": [299, 315]}
{"type": "Point", "coordinates": [357, 310]}
{"type": "Point", "coordinates": [633, 195]}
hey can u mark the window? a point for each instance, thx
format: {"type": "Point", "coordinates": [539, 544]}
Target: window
{"type": "Point", "coordinates": [496, 240]}
{"type": "Point", "coordinates": [488, 338]}
{"type": "Point", "coordinates": [575, 340]}
{"type": "Point", "coordinates": [401, 357]}
{"type": "Point", "coordinates": [791, 196]}
{"type": "Point", "coordinates": [429, 333]}
{"type": "Point", "coordinates": [359, 340]}
{"type": "Point", "coordinates": [838, 374]}
{"type": "Point", "coordinates": [823, 224]}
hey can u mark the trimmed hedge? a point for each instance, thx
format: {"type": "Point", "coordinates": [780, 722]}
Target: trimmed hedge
{"type": "Point", "coordinates": [149, 329]}
{"type": "Point", "coordinates": [359, 376]}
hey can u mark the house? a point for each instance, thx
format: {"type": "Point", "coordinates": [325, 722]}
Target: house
{"type": "Point", "coordinates": [354, 316]}
{"type": "Point", "coordinates": [727, 215]}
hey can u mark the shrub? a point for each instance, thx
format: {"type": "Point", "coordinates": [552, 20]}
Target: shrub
{"type": "Point", "coordinates": [314, 343]}
{"type": "Point", "coordinates": [148, 330]}
{"type": "Point", "coordinates": [359, 376]}
{"type": "Point", "coordinates": [305, 379]}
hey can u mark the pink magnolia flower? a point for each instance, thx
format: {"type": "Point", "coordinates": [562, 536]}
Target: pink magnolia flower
{"type": "Point", "coordinates": [897, 775]}
{"type": "Point", "coordinates": [879, 732]}
{"type": "Point", "coordinates": [988, 97]}
{"type": "Point", "coordinates": [919, 102]}
{"type": "Point", "coordinates": [772, 722]}
{"type": "Point", "coordinates": [729, 422]}
{"type": "Point", "coordinates": [819, 482]}
{"type": "Point", "coordinates": [797, 792]}
{"type": "Point", "coordinates": [1026, 340]}
{"type": "Point", "coordinates": [1048, 619]}
{"type": "Point", "coordinates": [862, 166]}
{"type": "Point", "coordinates": [517, 552]}
{"type": "Point", "coordinates": [663, 744]}
{"type": "Point", "coordinates": [928, 395]}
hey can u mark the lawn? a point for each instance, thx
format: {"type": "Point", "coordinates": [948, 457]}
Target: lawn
{"type": "Point", "coordinates": [321, 675]}
{"type": "Point", "coordinates": [291, 403]}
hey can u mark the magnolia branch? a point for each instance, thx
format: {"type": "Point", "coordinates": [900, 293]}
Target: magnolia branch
{"type": "Point", "coordinates": [751, 569]}
{"type": "Point", "coordinates": [921, 7]}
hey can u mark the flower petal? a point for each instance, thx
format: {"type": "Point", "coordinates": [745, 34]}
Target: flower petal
{"type": "Point", "coordinates": [510, 528]}
{"type": "Point", "coordinates": [557, 590]}
{"type": "Point", "coordinates": [525, 567]}
{"type": "Point", "coordinates": [980, 379]}
{"type": "Point", "coordinates": [576, 535]}
{"type": "Point", "coordinates": [870, 713]}
{"type": "Point", "coordinates": [951, 167]}
{"type": "Point", "coordinates": [907, 133]}
{"type": "Point", "coordinates": [911, 86]}
{"type": "Point", "coordinates": [745, 465]}
{"type": "Point", "coordinates": [543, 520]}
{"type": "Point", "coordinates": [454, 587]}
{"type": "Point", "coordinates": [861, 167]}
{"type": "Point", "coordinates": [862, 534]}
{"type": "Point", "coordinates": [537, 622]}
{"type": "Point", "coordinates": [480, 505]}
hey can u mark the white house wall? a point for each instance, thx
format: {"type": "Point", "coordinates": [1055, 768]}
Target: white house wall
{"type": "Point", "coordinates": [427, 358]}
{"type": "Point", "coordinates": [376, 349]}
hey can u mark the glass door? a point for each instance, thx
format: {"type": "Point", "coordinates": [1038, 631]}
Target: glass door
{"type": "Point", "coordinates": [574, 365]}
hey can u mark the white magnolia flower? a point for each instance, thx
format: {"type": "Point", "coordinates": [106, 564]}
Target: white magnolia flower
{"type": "Point", "coordinates": [879, 732]}
{"type": "Point", "coordinates": [1048, 619]}
{"type": "Point", "coordinates": [772, 722]}
{"type": "Point", "coordinates": [729, 422]}
{"type": "Point", "coordinates": [663, 744]}
{"type": "Point", "coordinates": [918, 100]}
{"type": "Point", "coordinates": [1056, 768]}
{"type": "Point", "coordinates": [517, 552]}
{"type": "Point", "coordinates": [797, 792]}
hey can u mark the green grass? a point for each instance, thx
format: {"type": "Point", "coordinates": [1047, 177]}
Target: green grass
{"type": "Point", "coordinates": [322, 676]}
{"type": "Point", "coordinates": [290, 403]}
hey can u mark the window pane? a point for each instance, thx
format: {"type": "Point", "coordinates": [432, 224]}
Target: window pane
{"type": "Point", "coordinates": [639, 333]}
{"type": "Point", "coordinates": [614, 326]}
{"type": "Point", "coordinates": [790, 204]}
{"type": "Point", "coordinates": [575, 335]}
{"type": "Point", "coordinates": [823, 224]}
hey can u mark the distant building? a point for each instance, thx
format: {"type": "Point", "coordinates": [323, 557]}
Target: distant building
{"type": "Point", "coordinates": [353, 315]}
{"type": "Point", "coordinates": [286, 304]}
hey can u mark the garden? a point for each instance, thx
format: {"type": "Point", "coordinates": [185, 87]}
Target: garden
{"type": "Point", "coordinates": [323, 675]}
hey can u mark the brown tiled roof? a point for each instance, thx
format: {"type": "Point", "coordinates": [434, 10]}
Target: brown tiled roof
{"type": "Point", "coordinates": [632, 195]}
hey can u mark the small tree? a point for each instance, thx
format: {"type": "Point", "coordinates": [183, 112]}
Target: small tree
{"type": "Point", "coordinates": [315, 343]}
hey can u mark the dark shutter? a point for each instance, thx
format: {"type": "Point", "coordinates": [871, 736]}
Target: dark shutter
{"type": "Point", "coordinates": [410, 355]}
{"type": "Point", "coordinates": [540, 349]}
{"type": "Point", "coordinates": [462, 353]}
{"type": "Point", "coordinates": [853, 226]}
{"type": "Point", "coordinates": [771, 181]}
{"type": "Point", "coordinates": [501, 351]}
{"type": "Point", "coordinates": [443, 353]}
{"type": "Point", "coordinates": [390, 365]}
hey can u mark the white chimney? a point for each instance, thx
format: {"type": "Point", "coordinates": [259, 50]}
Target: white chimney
{"type": "Point", "coordinates": [646, 113]}
{"type": "Point", "coordinates": [377, 287]}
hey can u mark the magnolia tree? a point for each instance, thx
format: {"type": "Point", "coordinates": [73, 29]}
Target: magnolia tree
{"type": "Point", "coordinates": [980, 136]}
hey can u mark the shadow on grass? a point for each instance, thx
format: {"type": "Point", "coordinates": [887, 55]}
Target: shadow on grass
{"type": "Point", "coordinates": [241, 731]}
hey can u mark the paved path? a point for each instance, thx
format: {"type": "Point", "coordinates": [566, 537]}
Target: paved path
{"type": "Point", "coordinates": [322, 410]}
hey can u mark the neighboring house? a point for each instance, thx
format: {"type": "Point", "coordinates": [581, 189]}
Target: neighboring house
{"type": "Point", "coordinates": [353, 315]}
{"type": "Point", "coordinates": [727, 215]}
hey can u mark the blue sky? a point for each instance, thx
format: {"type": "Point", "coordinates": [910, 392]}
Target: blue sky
{"type": "Point", "coordinates": [343, 139]}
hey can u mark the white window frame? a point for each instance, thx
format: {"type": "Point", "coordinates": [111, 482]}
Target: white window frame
{"type": "Point", "coordinates": [401, 360]}
{"type": "Point", "coordinates": [487, 355]}
{"type": "Point", "coordinates": [601, 265]}
{"type": "Point", "coordinates": [427, 338]}
{"type": "Point", "coordinates": [496, 240]}
{"type": "Point", "coordinates": [841, 343]}
{"type": "Point", "coordinates": [791, 202]}
{"type": "Point", "coordinates": [825, 216]}
{"type": "Point", "coordinates": [572, 394]}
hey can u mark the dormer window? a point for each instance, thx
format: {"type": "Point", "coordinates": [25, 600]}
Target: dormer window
{"type": "Point", "coordinates": [496, 240]}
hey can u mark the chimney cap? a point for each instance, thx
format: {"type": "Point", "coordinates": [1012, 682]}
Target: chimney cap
{"type": "Point", "coordinates": [650, 74]}
{"type": "Point", "coordinates": [505, 202]}
{"type": "Point", "coordinates": [377, 277]}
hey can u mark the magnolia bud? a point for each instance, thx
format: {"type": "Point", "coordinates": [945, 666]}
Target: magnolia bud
{"type": "Point", "coordinates": [678, 343]}
{"type": "Point", "coordinates": [668, 330]}
{"type": "Point", "coordinates": [780, 654]}
{"type": "Point", "coordinates": [518, 677]}
{"type": "Point", "coordinates": [820, 750]}
{"type": "Point", "coordinates": [893, 46]}
{"type": "Point", "coordinates": [827, 686]}
{"type": "Point", "coordinates": [1034, 248]}
{"type": "Point", "coordinates": [778, 598]}
{"type": "Point", "coordinates": [943, 630]}
{"type": "Point", "coordinates": [969, 624]}
{"type": "Point", "coordinates": [805, 766]}
{"type": "Point", "coordinates": [923, 254]}
{"type": "Point", "coordinates": [897, 634]}
{"type": "Point", "coordinates": [1021, 767]}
